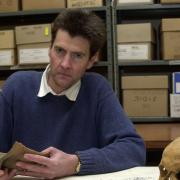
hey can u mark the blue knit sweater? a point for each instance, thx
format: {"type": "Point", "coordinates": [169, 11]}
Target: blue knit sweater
{"type": "Point", "coordinates": [94, 126]}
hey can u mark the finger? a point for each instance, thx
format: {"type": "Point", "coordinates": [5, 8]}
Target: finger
{"type": "Point", "coordinates": [32, 167]}
{"type": "Point", "coordinates": [37, 159]}
{"type": "Point", "coordinates": [2, 172]}
{"type": "Point", "coordinates": [49, 150]}
{"type": "Point", "coordinates": [12, 173]}
{"type": "Point", "coordinates": [33, 174]}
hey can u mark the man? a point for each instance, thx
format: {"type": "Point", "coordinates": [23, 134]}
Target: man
{"type": "Point", "coordinates": [73, 116]}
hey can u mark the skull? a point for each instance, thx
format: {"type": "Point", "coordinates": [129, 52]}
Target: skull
{"type": "Point", "coordinates": [170, 162]}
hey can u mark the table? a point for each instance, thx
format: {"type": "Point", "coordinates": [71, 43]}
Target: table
{"type": "Point", "coordinates": [137, 173]}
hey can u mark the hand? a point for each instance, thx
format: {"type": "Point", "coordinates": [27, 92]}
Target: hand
{"type": "Point", "coordinates": [5, 175]}
{"type": "Point", "coordinates": [59, 164]}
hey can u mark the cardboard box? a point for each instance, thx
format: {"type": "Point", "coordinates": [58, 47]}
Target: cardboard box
{"type": "Point", "coordinates": [170, 25]}
{"type": "Point", "coordinates": [135, 51]}
{"type": "Point", "coordinates": [84, 3]}
{"type": "Point", "coordinates": [42, 4]}
{"type": "Point", "coordinates": [145, 96]}
{"type": "Point", "coordinates": [33, 53]}
{"type": "Point", "coordinates": [170, 32]}
{"type": "Point", "coordinates": [33, 34]}
{"type": "Point", "coordinates": [7, 39]}
{"type": "Point", "coordinates": [135, 41]}
{"type": "Point", "coordinates": [169, 1]}
{"type": "Point", "coordinates": [158, 132]}
{"type": "Point", "coordinates": [130, 33]}
{"type": "Point", "coordinates": [7, 57]}
{"type": "Point", "coordinates": [9, 5]}
{"type": "Point", "coordinates": [130, 2]}
{"type": "Point", "coordinates": [7, 45]}
{"type": "Point", "coordinates": [176, 82]}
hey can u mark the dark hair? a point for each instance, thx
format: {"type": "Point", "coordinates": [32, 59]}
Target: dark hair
{"type": "Point", "coordinates": [84, 23]}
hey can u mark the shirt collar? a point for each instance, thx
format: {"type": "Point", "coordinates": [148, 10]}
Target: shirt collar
{"type": "Point", "coordinates": [71, 93]}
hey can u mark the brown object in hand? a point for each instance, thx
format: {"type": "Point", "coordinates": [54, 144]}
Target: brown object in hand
{"type": "Point", "coordinates": [16, 153]}
{"type": "Point", "coordinates": [170, 163]}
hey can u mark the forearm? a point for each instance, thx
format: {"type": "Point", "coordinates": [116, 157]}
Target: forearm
{"type": "Point", "coordinates": [114, 157]}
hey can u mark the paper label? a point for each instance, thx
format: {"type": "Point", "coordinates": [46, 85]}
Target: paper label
{"type": "Point", "coordinates": [84, 3]}
{"type": "Point", "coordinates": [175, 105]}
{"type": "Point", "coordinates": [6, 57]}
{"type": "Point", "coordinates": [178, 87]}
{"type": "Point", "coordinates": [33, 56]}
{"type": "Point", "coordinates": [133, 52]}
{"type": "Point", "coordinates": [46, 31]}
{"type": "Point", "coordinates": [135, 1]}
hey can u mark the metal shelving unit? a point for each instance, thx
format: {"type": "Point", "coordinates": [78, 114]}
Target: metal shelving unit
{"type": "Point", "coordinates": [144, 13]}
{"type": "Point", "coordinates": [154, 120]}
{"type": "Point", "coordinates": [11, 19]}
{"type": "Point", "coordinates": [137, 14]}
{"type": "Point", "coordinates": [148, 11]}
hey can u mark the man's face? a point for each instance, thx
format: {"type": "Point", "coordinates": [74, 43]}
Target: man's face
{"type": "Point", "coordinates": [69, 59]}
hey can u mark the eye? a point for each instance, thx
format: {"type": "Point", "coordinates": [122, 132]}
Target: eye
{"type": "Point", "coordinates": [77, 56]}
{"type": "Point", "coordinates": [58, 50]}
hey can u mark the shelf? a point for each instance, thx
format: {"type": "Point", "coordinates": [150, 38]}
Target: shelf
{"type": "Point", "coordinates": [42, 12]}
{"type": "Point", "coordinates": [152, 11]}
{"type": "Point", "coordinates": [11, 19]}
{"type": "Point", "coordinates": [41, 66]}
{"type": "Point", "coordinates": [139, 7]}
{"type": "Point", "coordinates": [145, 63]}
{"type": "Point", "coordinates": [154, 119]}
{"type": "Point", "coordinates": [149, 63]}
{"type": "Point", "coordinates": [152, 145]}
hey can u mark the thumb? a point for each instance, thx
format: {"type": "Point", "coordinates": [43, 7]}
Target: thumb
{"type": "Point", "coordinates": [12, 173]}
{"type": "Point", "coordinates": [1, 172]}
{"type": "Point", "coordinates": [49, 151]}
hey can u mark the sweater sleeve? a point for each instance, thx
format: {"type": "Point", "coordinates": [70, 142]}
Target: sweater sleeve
{"type": "Point", "coordinates": [7, 105]}
{"type": "Point", "coordinates": [120, 146]}
{"type": "Point", "coordinates": [5, 124]}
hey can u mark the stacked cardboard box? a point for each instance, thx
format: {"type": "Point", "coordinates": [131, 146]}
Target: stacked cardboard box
{"type": "Point", "coordinates": [9, 5]}
{"type": "Point", "coordinates": [145, 96]}
{"type": "Point", "coordinates": [42, 4]}
{"type": "Point", "coordinates": [7, 48]}
{"type": "Point", "coordinates": [84, 3]}
{"type": "Point", "coordinates": [170, 31]}
{"type": "Point", "coordinates": [33, 43]}
{"type": "Point", "coordinates": [175, 96]}
{"type": "Point", "coordinates": [135, 41]}
{"type": "Point", "coordinates": [176, 82]}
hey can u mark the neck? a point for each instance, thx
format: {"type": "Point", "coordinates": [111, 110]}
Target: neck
{"type": "Point", "coordinates": [54, 87]}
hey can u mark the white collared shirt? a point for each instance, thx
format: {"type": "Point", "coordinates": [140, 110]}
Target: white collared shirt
{"type": "Point", "coordinates": [71, 93]}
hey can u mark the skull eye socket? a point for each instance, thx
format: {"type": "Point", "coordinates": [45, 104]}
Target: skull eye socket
{"type": "Point", "coordinates": [164, 170]}
{"type": "Point", "coordinates": [178, 175]}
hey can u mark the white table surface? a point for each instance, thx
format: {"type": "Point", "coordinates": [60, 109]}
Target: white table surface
{"type": "Point", "coordinates": [137, 173]}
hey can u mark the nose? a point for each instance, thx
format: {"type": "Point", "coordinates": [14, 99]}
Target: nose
{"type": "Point", "coordinates": [66, 61]}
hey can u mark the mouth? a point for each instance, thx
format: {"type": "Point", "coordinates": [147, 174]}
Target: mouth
{"type": "Point", "coordinates": [64, 75]}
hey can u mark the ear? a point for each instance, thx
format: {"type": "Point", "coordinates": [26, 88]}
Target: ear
{"type": "Point", "coordinates": [92, 60]}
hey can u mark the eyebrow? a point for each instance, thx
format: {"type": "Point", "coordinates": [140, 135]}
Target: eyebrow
{"type": "Point", "coordinates": [79, 52]}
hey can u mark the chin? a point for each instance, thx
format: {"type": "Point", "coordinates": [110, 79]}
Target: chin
{"type": "Point", "coordinates": [63, 85]}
